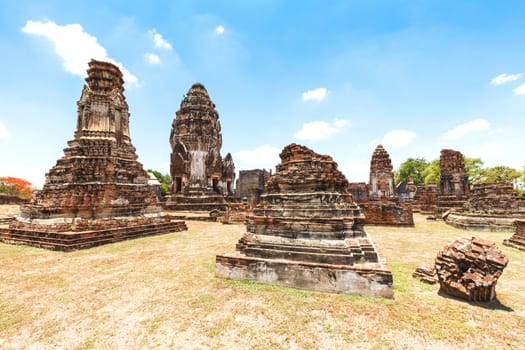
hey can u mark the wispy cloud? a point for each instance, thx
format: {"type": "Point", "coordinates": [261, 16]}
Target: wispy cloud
{"type": "Point", "coordinates": [4, 133]}
{"type": "Point", "coordinates": [152, 58]}
{"type": "Point", "coordinates": [520, 90]}
{"type": "Point", "coordinates": [398, 138]}
{"type": "Point", "coordinates": [75, 47]}
{"type": "Point", "coordinates": [505, 78]}
{"type": "Point", "coordinates": [158, 40]}
{"type": "Point", "coordinates": [319, 130]}
{"type": "Point", "coordinates": [461, 130]}
{"type": "Point", "coordinates": [219, 30]}
{"type": "Point", "coordinates": [264, 156]}
{"type": "Point", "coordinates": [318, 94]}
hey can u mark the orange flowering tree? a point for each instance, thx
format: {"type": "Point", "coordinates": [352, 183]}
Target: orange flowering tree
{"type": "Point", "coordinates": [15, 186]}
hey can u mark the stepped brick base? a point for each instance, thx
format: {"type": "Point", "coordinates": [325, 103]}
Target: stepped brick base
{"type": "Point", "coordinates": [518, 239]}
{"type": "Point", "coordinates": [73, 240]}
{"type": "Point", "coordinates": [372, 279]}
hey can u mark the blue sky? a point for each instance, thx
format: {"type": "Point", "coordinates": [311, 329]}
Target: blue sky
{"type": "Point", "coordinates": [337, 76]}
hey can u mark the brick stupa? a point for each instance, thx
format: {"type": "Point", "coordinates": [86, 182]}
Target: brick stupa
{"type": "Point", "coordinates": [307, 233]}
{"type": "Point", "coordinates": [201, 177]}
{"type": "Point", "coordinates": [97, 192]}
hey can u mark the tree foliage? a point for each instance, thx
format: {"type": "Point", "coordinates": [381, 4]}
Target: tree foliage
{"type": "Point", "coordinates": [15, 186]}
{"type": "Point", "coordinates": [500, 173]}
{"type": "Point", "coordinates": [412, 168]}
{"type": "Point", "coordinates": [431, 172]}
{"type": "Point", "coordinates": [474, 169]}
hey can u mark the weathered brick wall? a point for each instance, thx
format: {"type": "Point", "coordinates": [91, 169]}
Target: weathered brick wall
{"type": "Point", "coordinates": [251, 185]}
{"type": "Point", "coordinates": [390, 214]}
{"type": "Point", "coordinates": [359, 191]}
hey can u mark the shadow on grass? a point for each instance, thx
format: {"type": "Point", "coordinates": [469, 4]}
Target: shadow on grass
{"type": "Point", "coordinates": [489, 305]}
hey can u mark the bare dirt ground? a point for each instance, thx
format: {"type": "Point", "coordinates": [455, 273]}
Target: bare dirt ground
{"type": "Point", "coordinates": [161, 293]}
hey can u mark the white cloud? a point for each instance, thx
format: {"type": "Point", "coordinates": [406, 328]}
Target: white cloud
{"type": "Point", "coordinates": [264, 156]}
{"type": "Point", "coordinates": [75, 47]}
{"type": "Point", "coordinates": [152, 58]}
{"type": "Point", "coordinates": [317, 94]}
{"type": "Point", "coordinates": [520, 90]}
{"type": "Point", "coordinates": [219, 30]}
{"type": "Point", "coordinates": [159, 41]}
{"type": "Point", "coordinates": [398, 138]}
{"type": "Point", "coordinates": [320, 130]}
{"type": "Point", "coordinates": [4, 133]}
{"type": "Point", "coordinates": [341, 123]}
{"type": "Point", "coordinates": [460, 130]}
{"type": "Point", "coordinates": [505, 78]}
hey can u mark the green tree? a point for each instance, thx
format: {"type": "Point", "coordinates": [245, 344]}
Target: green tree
{"type": "Point", "coordinates": [500, 173]}
{"type": "Point", "coordinates": [431, 172]}
{"type": "Point", "coordinates": [412, 168]}
{"type": "Point", "coordinates": [165, 181]}
{"type": "Point", "coordinates": [474, 169]}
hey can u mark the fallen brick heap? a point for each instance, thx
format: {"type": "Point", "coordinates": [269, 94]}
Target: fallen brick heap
{"type": "Point", "coordinates": [469, 269]}
{"type": "Point", "coordinates": [308, 233]}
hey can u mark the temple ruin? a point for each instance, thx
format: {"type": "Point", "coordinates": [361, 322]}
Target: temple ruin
{"type": "Point", "coordinates": [469, 268]}
{"type": "Point", "coordinates": [381, 175]}
{"type": "Point", "coordinates": [454, 186]}
{"type": "Point", "coordinates": [379, 197]}
{"type": "Point", "coordinates": [307, 233]}
{"type": "Point", "coordinates": [201, 178]}
{"type": "Point", "coordinates": [97, 192]}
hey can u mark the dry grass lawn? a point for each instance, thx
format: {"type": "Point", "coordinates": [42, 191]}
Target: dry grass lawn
{"type": "Point", "coordinates": [160, 292]}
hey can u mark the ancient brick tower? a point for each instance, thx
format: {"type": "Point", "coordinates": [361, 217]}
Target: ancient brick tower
{"type": "Point", "coordinates": [308, 233]}
{"type": "Point", "coordinates": [381, 175]}
{"type": "Point", "coordinates": [97, 192]}
{"type": "Point", "coordinates": [454, 186]}
{"type": "Point", "coordinates": [201, 177]}
{"type": "Point", "coordinates": [382, 206]}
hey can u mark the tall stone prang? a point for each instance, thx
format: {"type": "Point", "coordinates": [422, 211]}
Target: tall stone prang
{"type": "Point", "coordinates": [381, 204]}
{"type": "Point", "coordinates": [97, 192]}
{"type": "Point", "coordinates": [201, 177]}
{"type": "Point", "coordinates": [307, 233]}
{"type": "Point", "coordinates": [381, 175]}
{"type": "Point", "coordinates": [454, 186]}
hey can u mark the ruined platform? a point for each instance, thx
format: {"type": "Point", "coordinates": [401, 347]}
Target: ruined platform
{"type": "Point", "coordinates": [307, 233]}
{"type": "Point", "coordinates": [480, 222]}
{"type": "Point", "coordinates": [97, 192]}
{"type": "Point", "coordinates": [108, 232]}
